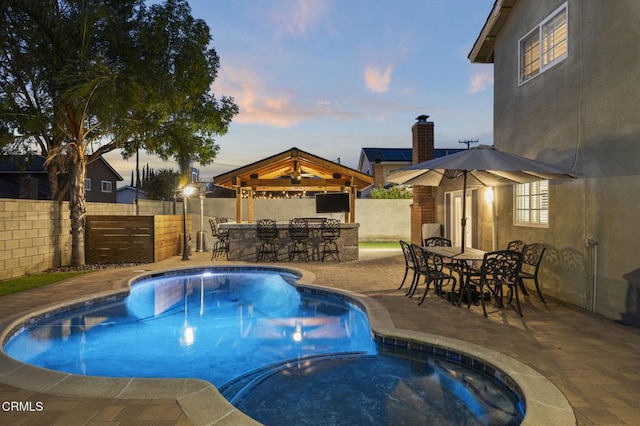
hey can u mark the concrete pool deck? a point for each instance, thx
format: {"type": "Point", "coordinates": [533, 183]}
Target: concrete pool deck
{"type": "Point", "coordinates": [591, 359]}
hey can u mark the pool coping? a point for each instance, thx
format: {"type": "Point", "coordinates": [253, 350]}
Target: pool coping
{"type": "Point", "coordinates": [201, 402]}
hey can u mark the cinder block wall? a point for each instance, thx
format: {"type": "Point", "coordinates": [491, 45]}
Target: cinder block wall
{"type": "Point", "coordinates": [35, 235]}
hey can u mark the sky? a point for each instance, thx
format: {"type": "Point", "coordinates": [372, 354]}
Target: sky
{"type": "Point", "coordinates": [331, 77]}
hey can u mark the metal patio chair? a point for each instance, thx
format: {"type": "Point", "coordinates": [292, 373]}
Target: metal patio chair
{"type": "Point", "coordinates": [330, 232]}
{"type": "Point", "coordinates": [267, 233]}
{"type": "Point", "coordinates": [299, 233]}
{"type": "Point", "coordinates": [499, 269]}
{"type": "Point", "coordinates": [430, 267]}
{"type": "Point", "coordinates": [531, 260]}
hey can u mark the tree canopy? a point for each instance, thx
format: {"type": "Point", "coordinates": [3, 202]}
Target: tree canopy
{"type": "Point", "coordinates": [79, 78]}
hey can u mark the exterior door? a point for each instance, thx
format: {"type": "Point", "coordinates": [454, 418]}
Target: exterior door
{"type": "Point", "coordinates": [453, 201]}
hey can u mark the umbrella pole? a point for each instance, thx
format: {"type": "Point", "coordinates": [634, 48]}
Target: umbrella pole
{"type": "Point", "coordinates": [463, 221]}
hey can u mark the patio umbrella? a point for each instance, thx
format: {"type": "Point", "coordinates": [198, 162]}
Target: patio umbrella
{"type": "Point", "coordinates": [479, 166]}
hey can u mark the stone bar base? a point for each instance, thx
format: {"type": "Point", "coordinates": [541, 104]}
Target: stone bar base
{"type": "Point", "coordinates": [243, 242]}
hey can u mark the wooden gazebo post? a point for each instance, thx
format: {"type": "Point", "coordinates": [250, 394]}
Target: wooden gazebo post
{"type": "Point", "coordinates": [250, 205]}
{"type": "Point", "coordinates": [238, 200]}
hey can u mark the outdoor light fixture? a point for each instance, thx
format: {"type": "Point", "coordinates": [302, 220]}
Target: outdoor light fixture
{"type": "Point", "coordinates": [186, 192]}
{"type": "Point", "coordinates": [488, 195]}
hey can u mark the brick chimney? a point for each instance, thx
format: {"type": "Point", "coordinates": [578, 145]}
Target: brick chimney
{"type": "Point", "coordinates": [423, 208]}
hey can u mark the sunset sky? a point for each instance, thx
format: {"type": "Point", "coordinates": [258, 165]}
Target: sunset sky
{"type": "Point", "coordinates": [333, 76]}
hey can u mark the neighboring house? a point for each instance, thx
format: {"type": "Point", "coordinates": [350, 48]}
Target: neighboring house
{"type": "Point", "coordinates": [127, 194]}
{"type": "Point", "coordinates": [101, 181]}
{"type": "Point", "coordinates": [566, 92]}
{"type": "Point", "coordinates": [25, 177]}
{"type": "Point", "coordinates": [379, 162]}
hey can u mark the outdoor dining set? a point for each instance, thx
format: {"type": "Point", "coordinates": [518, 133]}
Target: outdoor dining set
{"type": "Point", "coordinates": [472, 275]}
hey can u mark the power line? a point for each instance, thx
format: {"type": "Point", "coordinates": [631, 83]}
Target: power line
{"type": "Point", "coordinates": [469, 142]}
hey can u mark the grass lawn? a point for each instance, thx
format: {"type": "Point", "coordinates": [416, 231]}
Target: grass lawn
{"type": "Point", "coordinates": [28, 282]}
{"type": "Point", "coordinates": [379, 245]}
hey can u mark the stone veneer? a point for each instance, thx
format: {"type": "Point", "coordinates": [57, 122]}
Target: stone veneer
{"type": "Point", "coordinates": [243, 242]}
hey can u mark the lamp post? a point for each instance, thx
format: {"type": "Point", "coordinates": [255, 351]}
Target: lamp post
{"type": "Point", "coordinates": [186, 191]}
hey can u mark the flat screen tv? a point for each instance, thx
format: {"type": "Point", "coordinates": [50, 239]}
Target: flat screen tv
{"type": "Point", "coordinates": [332, 202]}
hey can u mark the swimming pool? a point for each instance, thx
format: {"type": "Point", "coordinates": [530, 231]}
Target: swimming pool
{"type": "Point", "coordinates": [171, 303]}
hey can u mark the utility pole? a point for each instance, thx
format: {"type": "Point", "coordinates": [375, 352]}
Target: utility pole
{"type": "Point", "coordinates": [469, 142]}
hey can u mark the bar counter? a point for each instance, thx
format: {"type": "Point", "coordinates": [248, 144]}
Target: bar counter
{"type": "Point", "coordinates": [243, 241]}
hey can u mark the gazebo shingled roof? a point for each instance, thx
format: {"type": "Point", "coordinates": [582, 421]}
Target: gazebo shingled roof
{"type": "Point", "coordinates": [294, 170]}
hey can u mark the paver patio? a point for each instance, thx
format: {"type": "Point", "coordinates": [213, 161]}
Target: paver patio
{"type": "Point", "coordinates": [593, 360]}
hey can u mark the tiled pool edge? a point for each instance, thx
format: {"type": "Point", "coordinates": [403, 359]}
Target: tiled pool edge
{"type": "Point", "coordinates": [203, 404]}
{"type": "Point", "coordinates": [545, 403]}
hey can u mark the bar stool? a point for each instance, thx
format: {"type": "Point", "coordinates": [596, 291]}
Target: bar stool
{"type": "Point", "coordinates": [221, 245]}
{"type": "Point", "coordinates": [299, 234]}
{"type": "Point", "coordinates": [267, 233]}
{"type": "Point", "coordinates": [330, 232]}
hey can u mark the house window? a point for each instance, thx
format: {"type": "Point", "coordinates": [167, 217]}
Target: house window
{"type": "Point", "coordinates": [532, 203]}
{"type": "Point", "coordinates": [106, 186]}
{"type": "Point", "coordinates": [87, 184]}
{"type": "Point", "coordinates": [544, 46]}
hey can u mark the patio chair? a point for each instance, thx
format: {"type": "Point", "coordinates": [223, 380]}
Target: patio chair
{"type": "Point", "coordinates": [516, 245]}
{"type": "Point", "coordinates": [409, 263]}
{"type": "Point", "coordinates": [299, 234]}
{"type": "Point", "coordinates": [531, 260]}
{"type": "Point", "coordinates": [221, 245]}
{"type": "Point", "coordinates": [430, 267]}
{"type": "Point", "coordinates": [439, 242]}
{"type": "Point", "coordinates": [436, 242]}
{"type": "Point", "coordinates": [499, 269]}
{"type": "Point", "coordinates": [330, 232]}
{"type": "Point", "coordinates": [267, 233]}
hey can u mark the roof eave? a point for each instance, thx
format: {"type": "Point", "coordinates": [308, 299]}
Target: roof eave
{"type": "Point", "coordinates": [483, 49]}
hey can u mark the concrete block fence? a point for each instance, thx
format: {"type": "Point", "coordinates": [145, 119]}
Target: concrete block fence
{"type": "Point", "coordinates": [35, 235]}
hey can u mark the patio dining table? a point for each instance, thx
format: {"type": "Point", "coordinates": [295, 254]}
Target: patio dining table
{"type": "Point", "coordinates": [462, 263]}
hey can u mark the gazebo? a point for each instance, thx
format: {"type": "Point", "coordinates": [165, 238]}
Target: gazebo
{"type": "Point", "coordinates": [293, 170]}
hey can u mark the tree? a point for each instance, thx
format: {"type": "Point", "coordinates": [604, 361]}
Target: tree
{"type": "Point", "coordinates": [79, 78]}
{"type": "Point", "coordinates": [160, 185]}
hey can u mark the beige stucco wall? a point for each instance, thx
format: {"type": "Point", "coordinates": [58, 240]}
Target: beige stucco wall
{"type": "Point", "coordinates": [582, 114]}
{"type": "Point", "coordinates": [380, 220]}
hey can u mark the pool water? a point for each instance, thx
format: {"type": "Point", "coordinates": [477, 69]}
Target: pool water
{"type": "Point", "coordinates": [214, 327]}
{"type": "Point", "coordinates": [281, 355]}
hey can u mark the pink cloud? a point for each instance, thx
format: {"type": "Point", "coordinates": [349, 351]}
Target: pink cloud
{"type": "Point", "coordinates": [377, 79]}
{"type": "Point", "coordinates": [481, 80]}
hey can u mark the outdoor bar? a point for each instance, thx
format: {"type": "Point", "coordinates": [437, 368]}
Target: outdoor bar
{"type": "Point", "coordinates": [295, 171]}
{"type": "Point", "coordinates": [243, 241]}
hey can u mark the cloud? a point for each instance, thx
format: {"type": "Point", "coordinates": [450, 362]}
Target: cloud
{"type": "Point", "coordinates": [481, 80]}
{"type": "Point", "coordinates": [377, 79]}
{"type": "Point", "coordinates": [271, 106]}
{"type": "Point", "coordinates": [298, 17]}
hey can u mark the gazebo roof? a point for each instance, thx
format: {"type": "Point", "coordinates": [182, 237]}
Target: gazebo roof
{"type": "Point", "coordinates": [292, 170]}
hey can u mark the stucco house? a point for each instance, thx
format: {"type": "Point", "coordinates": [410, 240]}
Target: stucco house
{"type": "Point", "coordinates": [566, 92]}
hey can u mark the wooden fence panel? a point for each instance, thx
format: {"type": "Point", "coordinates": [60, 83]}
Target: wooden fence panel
{"type": "Point", "coordinates": [168, 232]}
{"type": "Point", "coordinates": [139, 239]}
{"type": "Point", "coordinates": [119, 239]}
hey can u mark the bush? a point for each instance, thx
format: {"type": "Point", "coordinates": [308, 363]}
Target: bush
{"type": "Point", "coordinates": [394, 192]}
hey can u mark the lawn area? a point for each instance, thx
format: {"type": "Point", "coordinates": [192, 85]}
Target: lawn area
{"type": "Point", "coordinates": [379, 245]}
{"type": "Point", "coordinates": [28, 282]}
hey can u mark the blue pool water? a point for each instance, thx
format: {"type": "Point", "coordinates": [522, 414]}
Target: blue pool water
{"type": "Point", "coordinates": [281, 355]}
